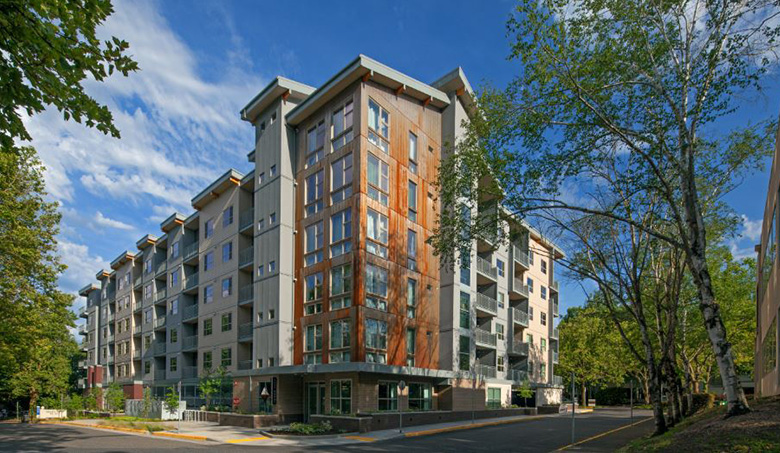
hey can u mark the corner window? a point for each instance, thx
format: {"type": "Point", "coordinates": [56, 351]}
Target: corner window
{"type": "Point", "coordinates": [412, 153]}
{"type": "Point", "coordinates": [341, 287]}
{"type": "Point", "coordinates": [378, 179]}
{"type": "Point", "coordinates": [376, 287]}
{"type": "Point", "coordinates": [314, 243]}
{"type": "Point", "coordinates": [342, 126]}
{"type": "Point", "coordinates": [341, 179]}
{"type": "Point", "coordinates": [378, 126]}
{"type": "Point", "coordinates": [315, 143]}
{"type": "Point", "coordinates": [376, 229]}
{"type": "Point", "coordinates": [314, 193]}
{"type": "Point", "coordinates": [341, 232]}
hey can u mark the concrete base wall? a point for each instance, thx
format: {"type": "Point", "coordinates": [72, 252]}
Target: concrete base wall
{"type": "Point", "coordinates": [248, 421]}
{"type": "Point", "coordinates": [548, 396]}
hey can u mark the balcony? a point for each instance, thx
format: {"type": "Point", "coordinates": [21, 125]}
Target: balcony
{"type": "Point", "coordinates": [246, 257]}
{"type": "Point", "coordinates": [486, 339]}
{"type": "Point", "coordinates": [246, 294]}
{"type": "Point", "coordinates": [82, 383]}
{"type": "Point", "coordinates": [518, 348]}
{"type": "Point", "coordinates": [137, 354]}
{"type": "Point", "coordinates": [108, 339]}
{"type": "Point", "coordinates": [83, 329]}
{"type": "Point", "coordinates": [555, 356]}
{"type": "Point", "coordinates": [136, 330]}
{"type": "Point", "coordinates": [190, 251]}
{"type": "Point", "coordinates": [84, 347]}
{"type": "Point", "coordinates": [191, 283]}
{"type": "Point", "coordinates": [519, 288]}
{"type": "Point", "coordinates": [486, 305]}
{"type": "Point", "coordinates": [555, 308]}
{"type": "Point", "coordinates": [190, 343]}
{"type": "Point", "coordinates": [518, 317]}
{"type": "Point", "coordinates": [83, 312]}
{"type": "Point", "coordinates": [518, 375]}
{"type": "Point", "coordinates": [245, 364]}
{"type": "Point", "coordinates": [160, 295]}
{"type": "Point", "coordinates": [161, 267]}
{"type": "Point", "coordinates": [159, 375]}
{"type": "Point", "coordinates": [110, 360]}
{"type": "Point", "coordinates": [190, 312]}
{"type": "Point", "coordinates": [557, 380]}
{"type": "Point", "coordinates": [159, 323]}
{"type": "Point", "coordinates": [554, 334]}
{"type": "Point", "coordinates": [188, 372]}
{"type": "Point", "coordinates": [487, 269]}
{"type": "Point", "coordinates": [520, 257]}
{"type": "Point", "coordinates": [137, 282]}
{"type": "Point", "coordinates": [246, 219]}
{"type": "Point", "coordinates": [245, 332]}
{"type": "Point", "coordinates": [110, 317]}
{"type": "Point", "coordinates": [82, 363]}
{"type": "Point", "coordinates": [554, 286]}
{"type": "Point", "coordinates": [159, 348]}
{"type": "Point", "coordinates": [485, 371]}
{"type": "Point", "coordinates": [137, 305]}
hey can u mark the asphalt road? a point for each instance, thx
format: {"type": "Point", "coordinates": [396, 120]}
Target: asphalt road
{"type": "Point", "coordinates": [533, 436]}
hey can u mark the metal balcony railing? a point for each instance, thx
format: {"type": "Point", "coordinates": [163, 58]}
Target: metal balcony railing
{"type": "Point", "coordinates": [519, 317]}
{"type": "Point", "coordinates": [110, 317]}
{"type": "Point", "coordinates": [486, 304]}
{"type": "Point", "coordinates": [137, 282]}
{"type": "Point", "coordinates": [554, 286]}
{"type": "Point", "coordinates": [191, 281]}
{"type": "Point", "coordinates": [160, 295]}
{"type": "Point", "coordinates": [519, 288]}
{"type": "Point", "coordinates": [555, 308]}
{"type": "Point", "coordinates": [485, 338]}
{"type": "Point", "coordinates": [246, 294]}
{"type": "Point", "coordinates": [161, 267]}
{"type": "Point", "coordinates": [555, 356]}
{"type": "Point", "coordinates": [246, 218]}
{"type": "Point", "coordinates": [246, 256]}
{"type": "Point", "coordinates": [82, 363]}
{"type": "Point", "coordinates": [159, 322]}
{"type": "Point", "coordinates": [137, 330]}
{"type": "Point", "coordinates": [557, 380]}
{"type": "Point", "coordinates": [518, 347]}
{"type": "Point", "coordinates": [159, 348]}
{"type": "Point", "coordinates": [137, 354]}
{"type": "Point", "coordinates": [245, 331]}
{"type": "Point", "coordinates": [189, 312]}
{"type": "Point", "coordinates": [486, 268]}
{"type": "Point", "coordinates": [190, 342]}
{"type": "Point", "coordinates": [83, 312]}
{"type": "Point", "coordinates": [245, 365]}
{"type": "Point", "coordinates": [486, 371]}
{"type": "Point", "coordinates": [189, 372]}
{"type": "Point", "coordinates": [83, 329]}
{"type": "Point", "coordinates": [518, 375]}
{"type": "Point", "coordinates": [554, 333]}
{"type": "Point", "coordinates": [190, 250]}
{"type": "Point", "coordinates": [520, 256]}
{"type": "Point", "coordinates": [108, 339]}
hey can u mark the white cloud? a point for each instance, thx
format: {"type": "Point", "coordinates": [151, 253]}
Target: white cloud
{"type": "Point", "coordinates": [751, 229]}
{"type": "Point", "coordinates": [102, 220]}
{"type": "Point", "coordinates": [82, 265]}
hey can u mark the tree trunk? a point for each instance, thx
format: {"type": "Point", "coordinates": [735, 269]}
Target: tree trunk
{"type": "Point", "coordinates": [697, 261]}
{"type": "Point", "coordinates": [646, 389]}
{"type": "Point", "coordinates": [33, 403]}
{"type": "Point", "coordinates": [583, 394]}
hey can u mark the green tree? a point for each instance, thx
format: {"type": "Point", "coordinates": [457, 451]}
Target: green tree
{"type": "Point", "coordinates": [171, 401]}
{"type": "Point", "coordinates": [115, 397]}
{"type": "Point", "coordinates": [49, 48]}
{"type": "Point", "coordinates": [211, 384]}
{"type": "Point", "coordinates": [147, 402]}
{"type": "Point", "coordinates": [91, 399]}
{"type": "Point", "coordinates": [632, 86]}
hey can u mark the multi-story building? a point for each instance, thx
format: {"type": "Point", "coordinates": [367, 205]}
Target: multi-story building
{"type": "Point", "coordinates": [310, 277]}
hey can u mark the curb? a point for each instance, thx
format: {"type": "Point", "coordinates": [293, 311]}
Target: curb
{"type": "Point", "coordinates": [475, 425]}
{"type": "Point", "coordinates": [180, 436]}
{"type": "Point", "coordinates": [606, 433]}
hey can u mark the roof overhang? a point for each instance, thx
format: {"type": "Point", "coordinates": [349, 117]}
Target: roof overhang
{"type": "Point", "coordinates": [229, 179]}
{"type": "Point", "coordinates": [102, 273]}
{"type": "Point", "coordinates": [173, 221]}
{"type": "Point", "coordinates": [125, 257]}
{"type": "Point", "coordinates": [279, 87]}
{"type": "Point", "coordinates": [365, 68]}
{"type": "Point", "coordinates": [88, 289]}
{"type": "Point", "coordinates": [192, 220]}
{"type": "Point", "coordinates": [146, 241]}
{"type": "Point", "coordinates": [358, 367]}
{"type": "Point", "coordinates": [456, 82]}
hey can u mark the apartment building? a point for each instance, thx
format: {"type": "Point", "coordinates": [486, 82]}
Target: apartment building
{"type": "Point", "coordinates": [309, 278]}
{"type": "Point", "coordinates": [765, 370]}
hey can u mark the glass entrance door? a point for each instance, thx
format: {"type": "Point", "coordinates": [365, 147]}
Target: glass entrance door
{"type": "Point", "coordinates": [315, 398]}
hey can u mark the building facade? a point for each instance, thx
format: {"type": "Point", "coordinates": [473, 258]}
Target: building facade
{"type": "Point", "coordinates": [310, 278]}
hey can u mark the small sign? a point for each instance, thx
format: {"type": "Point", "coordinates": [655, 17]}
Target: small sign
{"type": "Point", "coordinates": [402, 386]}
{"type": "Point", "coordinates": [273, 390]}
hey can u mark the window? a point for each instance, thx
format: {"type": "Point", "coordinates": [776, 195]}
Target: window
{"type": "Point", "coordinates": [465, 270]}
{"type": "Point", "coordinates": [500, 363]}
{"type": "Point", "coordinates": [314, 287]}
{"type": "Point", "coordinates": [465, 310]}
{"type": "Point", "coordinates": [309, 359]}
{"type": "Point", "coordinates": [148, 316]}
{"type": "Point", "coordinates": [175, 250]}
{"type": "Point", "coordinates": [769, 349]}
{"type": "Point", "coordinates": [411, 297]}
{"type": "Point", "coordinates": [529, 281]}
{"type": "Point", "coordinates": [147, 269]}
{"type": "Point", "coordinates": [543, 371]}
{"type": "Point", "coordinates": [207, 360]}
{"type": "Point", "coordinates": [412, 201]}
{"type": "Point", "coordinates": [271, 267]}
{"type": "Point", "coordinates": [208, 229]}
{"type": "Point", "coordinates": [342, 126]}
{"type": "Point", "coordinates": [341, 179]}
{"type": "Point", "coordinates": [339, 335]}
{"type": "Point", "coordinates": [529, 338]}
{"type": "Point", "coordinates": [260, 178]}
{"type": "Point", "coordinates": [378, 179]}
{"type": "Point", "coordinates": [207, 326]}
{"type": "Point", "coordinates": [543, 344]}
{"type": "Point", "coordinates": [412, 153]}
{"type": "Point", "coordinates": [208, 261]}
{"type": "Point", "coordinates": [227, 322]}
{"type": "Point", "coordinates": [174, 278]}
{"type": "Point", "coordinates": [500, 267]}
{"type": "Point", "coordinates": [341, 232]}
{"type": "Point", "coordinates": [341, 396]}
{"type": "Point", "coordinates": [314, 192]}
{"type": "Point", "coordinates": [544, 266]}
{"type": "Point", "coordinates": [227, 357]}
{"type": "Point", "coordinates": [260, 224]}
{"type": "Point", "coordinates": [376, 334]}
{"type": "Point", "coordinates": [387, 398]}
{"type": "Point", "coordinates": [313, 337]}
{"type": "Point", "coordinates": [543, 292]}
{"type": "Point", "coordinates": [272, 218]}
{"type": "Point", "coordinates": [147, 342]}
{"type": "Point", "coordinates": [227, 252]}
{"type": "Point", "coordinates": [314, 242]}
{"type": "Point", "coordinates": [378, 125]}
{"type": "Point", "coordinates": [411, 249]}
{"type": "Point", "coordinates": [147, 366]}
{"type": "Point", "coordinates": [227, 216]}
{"type": "Point", "coordinates": [260, 270]}
{"type": "Point", "coordinates": [272, 171]}
{"type": "Point", "coordinates": [531, 257]}
{"type": "Point", "coordinates": [500, 332]}
{"type": "Point", "coordinates": [543, 318]}
{"type": "Point", "coordinates": [376, 287]}
{"type": "Point", "coordinates": [411, 340]}
{"type": "Point", "coordinates": [493, 398]}
{"type": "Point", "coordinates": [420, 396]}
{"type": "Point", "coordinates": [148, 291]}
{"type": "Point", "coordinates": [173, 307]}
{"type": "Point", "coordinates": [227, 286]}
{"type": "Point", "coordinates": [341, 287]}
{"type": "Point", "coordinates": [501, 297]}
{"type": "Point", "coordinates": [174, 334]}
{"type": "Point", "coordinates": [315, 143]}
{"type": "Point", "coordinates": [376, 230]}
{"type": "Point", "coordinates": [208, 294]}
{"type": "Point", "coordinates": [464, 353]}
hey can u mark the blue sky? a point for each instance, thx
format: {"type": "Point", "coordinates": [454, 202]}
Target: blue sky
{"type": "Point", "coordinates": [201, 61]}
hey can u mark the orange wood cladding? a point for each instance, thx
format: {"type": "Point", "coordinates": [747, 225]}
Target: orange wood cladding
{"type": "Point", "coordinates": [406, 115]}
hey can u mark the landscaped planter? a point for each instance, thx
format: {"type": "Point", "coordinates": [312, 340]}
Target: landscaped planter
{"type": "Point", "coordinates": [248, 420]}
{"type": "Point", "coordinates": [359, 424]}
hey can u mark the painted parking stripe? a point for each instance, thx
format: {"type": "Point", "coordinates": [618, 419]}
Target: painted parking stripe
{"type": "Point", "coordinates": [248, 439]}
{"type": "Point", "coordinates": [362, 439]}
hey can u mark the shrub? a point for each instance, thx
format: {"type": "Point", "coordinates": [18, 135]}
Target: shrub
{"type": "Point", "coordinates": [702, 401]}
{"type": "Point", "coordinates": [311, 429]}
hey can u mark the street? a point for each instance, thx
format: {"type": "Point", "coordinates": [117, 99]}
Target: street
{"type": "Point", "coordinates": [542, 435]}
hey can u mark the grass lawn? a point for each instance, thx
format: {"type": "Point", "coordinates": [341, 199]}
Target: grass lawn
{"type": "Point", "coordinates": [758, 431]}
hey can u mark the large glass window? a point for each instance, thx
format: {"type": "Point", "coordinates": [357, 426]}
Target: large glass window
{"type": "Point", "coordinates": [411, 249]}
{"type": "Point", "coordinates": [315, 143]}
{"type": "Point", "coordinates": [342, 125]}
{"type": "Point", "coordinates": [376, 230]}
{"type": "Point", "coordinates": [378, 179]}
{"type": "Point", "coordinates": [411, 298]}
{"type": "Point", "coordinates": [411, 346]}
{"type": "Point", "coordinates": [493, 398]}
{"type": "Point", "coordinates": [341, 287]}
{"type": "Point", "coordinates": [341, 232]}
{"type": "Point", "coordinates": [412, 153]}
{"type": "Point", "coordinates": [378, 125]}
{"type": "Point", "coordinates": [465, 310]}
{"type": "Point", "coordinates": [314, 242]}
{"type": "Point", "coordinates": [376, 287]}
{"type": "Point", "coordinates": [412, 192]}
{"type": "Point", "coordinates": [387, 398]}
{"type": "Point", "coordinates": [341, 396]}
{"type": "Point", "coordinates": [314, 192]}
{"type": "Point", "coordinates": [227, 252]}
{"type": "Point", "coordinates": [464, 353]}
{"type": "Point", "coordinates": [314, 287]}
{"type": "Point", "coordinates": [339, 334]}
{"type": "Point", "coordinates": [313, 337]}
{"type": "Point", "coordinates": [376, 334]}
{"type": "Point", "coordinates": [341, 179]}
{"type": "Point", "coordinates": [420, 396]}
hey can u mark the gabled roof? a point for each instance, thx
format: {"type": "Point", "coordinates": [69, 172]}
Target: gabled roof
{"type": "Point", "coordinates": [280, 86]}
{"type": "Point", "coordinates": [229, 179]}
{"type": "Point", "coordinates": [365, 67]}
